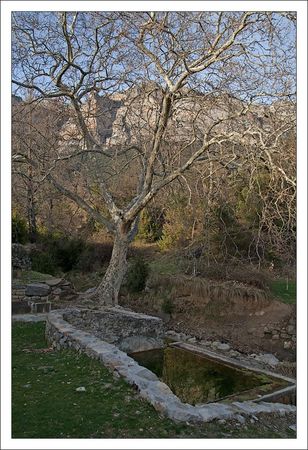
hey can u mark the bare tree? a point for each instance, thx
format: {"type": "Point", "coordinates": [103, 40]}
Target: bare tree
{"type": "Point", "coordinates": [25, 144]}
{"type": "Point", "coordinates": [175, 89]}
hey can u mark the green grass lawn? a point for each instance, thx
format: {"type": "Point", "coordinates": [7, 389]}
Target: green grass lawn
{"type": "Point", "coordinates": [284, 291]}
{"type": "Point", "coordinates": [45, 402]}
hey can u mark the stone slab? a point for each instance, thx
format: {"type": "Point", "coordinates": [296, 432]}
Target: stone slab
{"type": "Point", "coordinates": [37, 289]}
{"type": "Point", "coordinates": [29, 317]}
{"type": "Point", "coordinates": [53, 281]}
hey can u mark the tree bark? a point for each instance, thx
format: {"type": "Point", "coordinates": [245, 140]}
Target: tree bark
{"type": "Point", "coordinates": [108, 290]}
{"type": "Point", "coordinates": [31, 214]}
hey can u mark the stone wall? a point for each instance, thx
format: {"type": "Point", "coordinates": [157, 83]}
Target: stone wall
{"type": "Point", "coordinates": [18, 292]}
{"type": "Point", "coordinates": [20, 258]}
{"type": "Point", "coordinates": [30, 298]}
{"type": "Point", "coordinates": [284, 332]}
{"type": "Point", "coordinates": [61, 334]}
{"type": "Point", "coordinates": [128, 330]}
{"type": "Point", "coordinates": [37, 297]}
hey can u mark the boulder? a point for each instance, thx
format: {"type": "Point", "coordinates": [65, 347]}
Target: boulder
{"type": "Point", "coordinates": [287, 345]}
{"type": "Point", "coordinates": [291, 329]}
{"type": "Point", "coordinates": [234, 353]}
{"type": "Point", "coordinates": [37, 289]}
{"type": "Point", "coordinates": [56, 291]}
{"type": "Point", "coordinates": [221, 346]}
{"type": "Point", "coordinates": [267, 358]}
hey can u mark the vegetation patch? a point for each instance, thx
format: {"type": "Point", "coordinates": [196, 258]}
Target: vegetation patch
{"type": "Point", "coordinates": [166, 265]}
{"type": "Point", "coordinates": [28, 276]}
{"type": "Point", "coordinates": [137, 275]}
{"type": "Point", "coordinates": [83, 281]}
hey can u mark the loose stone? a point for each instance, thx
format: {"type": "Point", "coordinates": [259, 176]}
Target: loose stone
{"type": "Point", "coordinates": [81, 389]}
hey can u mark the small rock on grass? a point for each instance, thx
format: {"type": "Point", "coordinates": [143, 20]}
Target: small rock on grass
{"type": "Point", "coordinates": [293, 427]}
{"type": "Point", "coordinates": [81, 389]}
{"type": "Point", "coordinates": [46, 369]}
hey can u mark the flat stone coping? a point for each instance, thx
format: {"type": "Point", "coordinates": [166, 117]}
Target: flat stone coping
{"type": "Point", "coordinates": [39, 317]}
{"type": "Point", "coordinates": [157, 393]}
{"type": "Point", "coordinates": [129, 313]}
{"type": "Point", "coordinates": [226, 360]}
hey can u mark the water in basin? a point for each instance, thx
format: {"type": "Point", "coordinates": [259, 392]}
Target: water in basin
{"type": "Point", "coordinates": [195, 378]}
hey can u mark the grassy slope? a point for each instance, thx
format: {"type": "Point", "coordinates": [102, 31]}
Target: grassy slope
{"type": "Point", "coordinates": [46, 405]}
{"type": "Point", "coordinates": [28, 276]}
{"type": "Point", "coordinates": [284, 291]}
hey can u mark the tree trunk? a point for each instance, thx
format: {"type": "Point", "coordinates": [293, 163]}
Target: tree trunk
{"type": "Point", "coordinates": [31, 199]}
{"type": "Point", "coordinates": [31, 214]}
{"type": "Point", "coordinates": [108, 290]}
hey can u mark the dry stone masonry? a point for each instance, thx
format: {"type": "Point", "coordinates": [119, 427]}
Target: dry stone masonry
{"type": "Point", "coordinates": [37, 297]}
{"type": "Point", "coordinates": [128, 330]}
{"type": "Point", "coordinates": [285, 332]}
{"type": "Point", "coordinates": [20, 258]}
{"type": "Point", "coordinates": [62, 334]}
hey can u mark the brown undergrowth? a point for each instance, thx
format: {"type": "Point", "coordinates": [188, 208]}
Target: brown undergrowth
{"type": "Point", "coordinates": [208, 291]}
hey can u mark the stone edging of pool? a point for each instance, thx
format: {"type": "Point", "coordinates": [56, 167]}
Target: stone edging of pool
{"type": "Point", "coordinates": [61, 334]}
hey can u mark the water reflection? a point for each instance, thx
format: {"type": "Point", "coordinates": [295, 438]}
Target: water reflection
{"type": "Point", "coordinates": [196, 379]}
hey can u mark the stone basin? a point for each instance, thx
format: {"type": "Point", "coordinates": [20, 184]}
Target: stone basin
{"type": "Point", "coordinates": [62, 333]}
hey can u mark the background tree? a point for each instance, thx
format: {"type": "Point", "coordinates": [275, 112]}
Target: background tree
{"type": "Point", "coordinates": [174, 89]}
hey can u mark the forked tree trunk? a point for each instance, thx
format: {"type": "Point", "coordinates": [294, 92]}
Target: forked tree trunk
{"type": "Point", "coordinates": [108, 290]}
{"type": "Point", "coordinates": [31, 215]}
